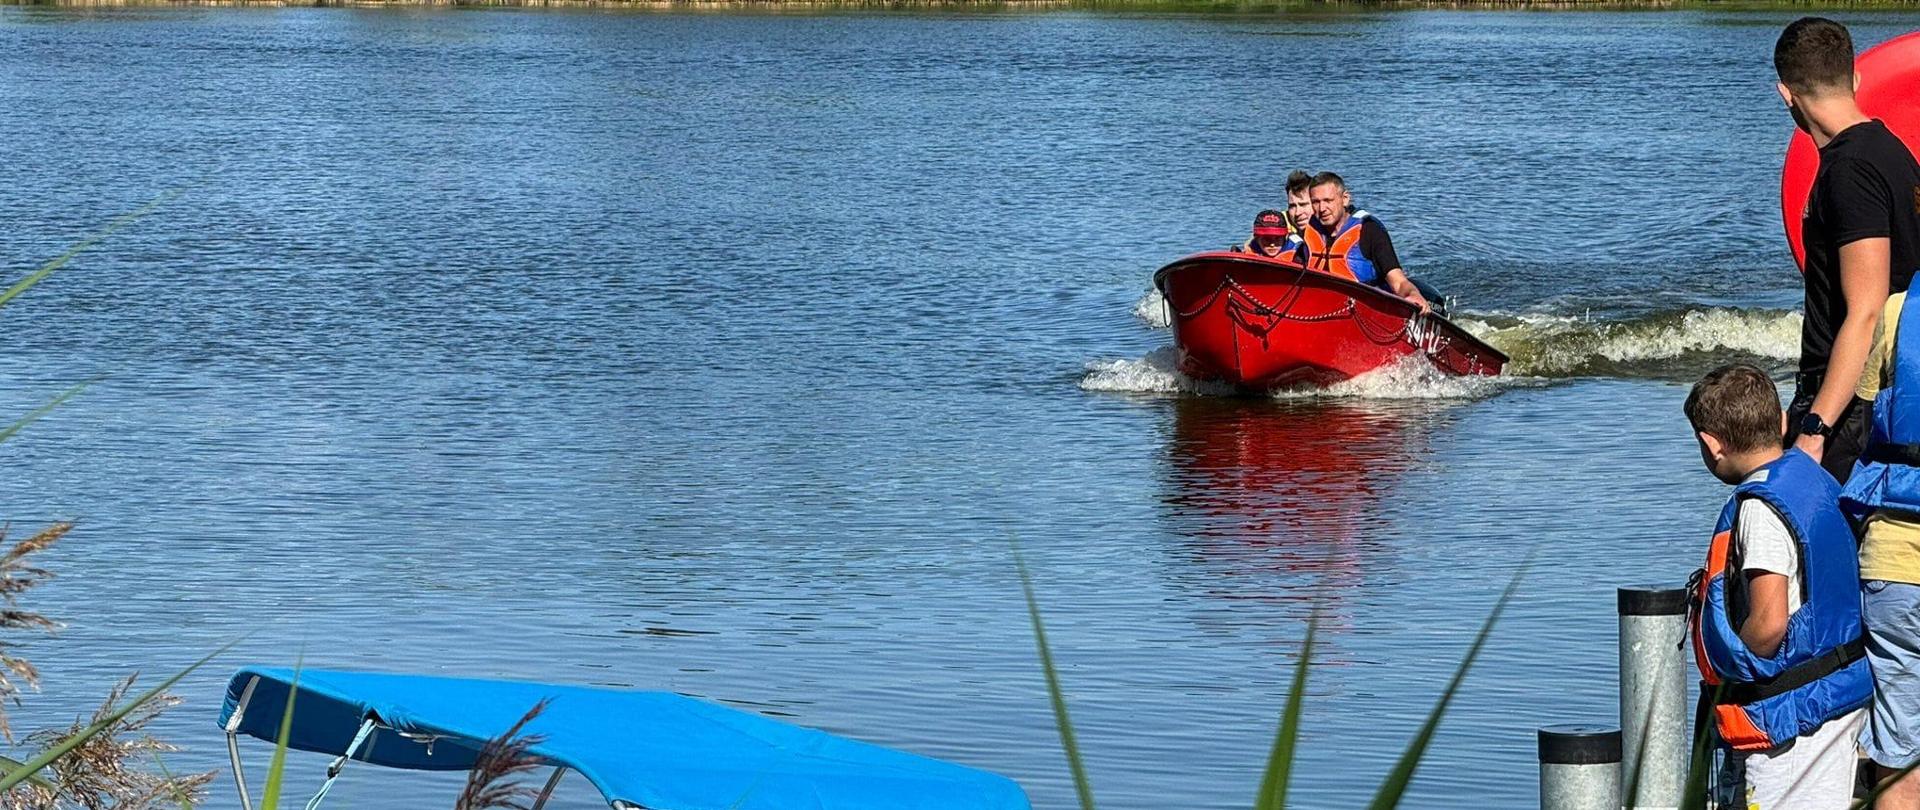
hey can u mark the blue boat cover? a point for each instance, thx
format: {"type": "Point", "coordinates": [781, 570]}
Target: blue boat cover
{"type": "Point", "coordinates": [656, 750]}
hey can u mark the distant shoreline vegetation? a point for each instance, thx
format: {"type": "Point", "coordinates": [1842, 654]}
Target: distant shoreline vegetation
{"type": "Point", "coordinates": [1180, 6]}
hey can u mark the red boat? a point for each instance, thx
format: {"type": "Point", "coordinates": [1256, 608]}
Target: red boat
{"type": "Point", "coordinates": [1263, 323]}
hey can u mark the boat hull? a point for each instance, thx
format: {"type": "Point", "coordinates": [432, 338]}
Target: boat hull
{"type": "Point", "coordinates": [1263, 323]}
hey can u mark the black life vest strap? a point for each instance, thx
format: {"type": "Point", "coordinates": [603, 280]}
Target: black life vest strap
{"type": "Point", "coordinates": [1806, 672]}
{"type": "Point", "coordinates": [1903, 454]}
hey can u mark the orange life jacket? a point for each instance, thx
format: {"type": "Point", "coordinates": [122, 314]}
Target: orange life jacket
{"type": "Point", "coordinates": [1334, 255]}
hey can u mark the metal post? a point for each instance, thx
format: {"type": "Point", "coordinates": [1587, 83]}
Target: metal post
{"type": "Point", "coordinates": [1653, 695]}
{"type": "Point", "coordinates": [1579, 768]}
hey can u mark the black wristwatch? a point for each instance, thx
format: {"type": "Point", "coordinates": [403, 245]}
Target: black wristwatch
{"type": "Point", "coordinates": [1813, 425]}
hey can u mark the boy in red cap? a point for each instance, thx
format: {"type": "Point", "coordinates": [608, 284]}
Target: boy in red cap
{"type": "Point", "coordinates": [1270, 236]}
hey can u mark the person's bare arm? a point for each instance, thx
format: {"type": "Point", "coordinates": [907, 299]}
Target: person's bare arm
{"type": "Point", "coordinates": [1766, 624]}
{"type": "Point", "coordinates": [1403, 287]}
{"type": "Point", "coordinates": [1863, 282]}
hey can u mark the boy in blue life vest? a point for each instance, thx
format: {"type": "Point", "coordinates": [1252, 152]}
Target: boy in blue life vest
{"type": "Point", "coordinates": [1776, 611]}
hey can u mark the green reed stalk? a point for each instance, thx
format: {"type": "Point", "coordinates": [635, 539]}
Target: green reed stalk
{"type": "Point", "coordinates": [276, 769]}
{"type": "Point", "coordinates": [1700, 762]}
{"type": "Point", "coordinates": [43, 271]}
{"type": "Point", "coordinates": [1273, 786]}
{"type": "Point", "coordinates": [1401, 776]}
{"type": "Point", "coordinates": [1081, 785]}
{"type": "Point", "coordinates": [21, 423]}
{"type": "Point", "coordinates": [1640, 759]}
{"type": "Point", "coordinates": [186, 801]}
{"type": "Point", "coordinates": [9, 765]}
{"type": "Point", "coordinates": [81, 246]}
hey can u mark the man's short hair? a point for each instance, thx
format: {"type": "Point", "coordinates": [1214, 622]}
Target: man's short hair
{"type": "Point", "coordinates": [1814, 55]}
{"type": "Point", "coordinates": [1739, 404]}
{"type": "Point", "coordinates": [1298, 182]}
{"type": "Point", "coordinates": [1329, 178]}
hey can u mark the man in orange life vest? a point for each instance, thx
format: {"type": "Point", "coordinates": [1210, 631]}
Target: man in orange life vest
{"type": "Point", "coordinates": [1352, 244]}
{"type": "Point", "coordinates": [1270, 238]}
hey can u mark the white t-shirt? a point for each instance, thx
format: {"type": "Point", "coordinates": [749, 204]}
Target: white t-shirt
{"type": "Point", "coordinates": [1764, 543]}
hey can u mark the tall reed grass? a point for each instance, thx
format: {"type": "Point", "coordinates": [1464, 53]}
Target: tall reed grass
{"type": "Point", "coordinates": [95, 762]}
{"type": "Point", "coordinates": [1277, 777]}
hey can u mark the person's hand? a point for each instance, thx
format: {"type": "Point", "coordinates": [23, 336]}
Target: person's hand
{"type": "Point", "coordinates": [1811, 445]}
{"type": "Point", "coordinates": [1421, 302]}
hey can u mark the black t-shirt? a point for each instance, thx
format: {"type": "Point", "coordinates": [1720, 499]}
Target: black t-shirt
{"type": "Point", "coordinates": [1377, 247]}
{"type": "Point", "coordinates": [1868, 187]}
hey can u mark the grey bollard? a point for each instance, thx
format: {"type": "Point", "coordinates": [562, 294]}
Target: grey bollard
{"type": "Point", "coordinates": [1579, 768]}
{"type": "Point", "coordinates": [1653, 694]}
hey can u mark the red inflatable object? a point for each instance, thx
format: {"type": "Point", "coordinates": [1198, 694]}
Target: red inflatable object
{"type": "Point", "coordinates": [1890, 91]}
{"type": "Point", "coordinates": [1262, 323]}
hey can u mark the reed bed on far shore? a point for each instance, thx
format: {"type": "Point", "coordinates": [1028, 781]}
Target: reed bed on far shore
{"type": "Point", "coordinates": [1148, 6]}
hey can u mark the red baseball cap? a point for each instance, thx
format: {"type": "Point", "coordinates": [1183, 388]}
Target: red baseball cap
{"type": "Point", "coordinates": [1270, 223]}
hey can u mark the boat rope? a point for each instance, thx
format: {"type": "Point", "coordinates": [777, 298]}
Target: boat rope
{"type": "Point", "coordinates": [340, 762]}
{"type": "Point", "coordinates": [1382, 337]}
{"type": "Point", "coordinates": [1211, 297]}
{"type": "Point", "coordinates": [1275, 314]}
{"type": "Point", "coordinates": [1228, 282]}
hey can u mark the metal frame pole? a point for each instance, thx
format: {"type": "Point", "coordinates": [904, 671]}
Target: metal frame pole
{"type": "Point", "coordinates": [552, 782]}
{"type": "Point", "coordinates": [233, 741]}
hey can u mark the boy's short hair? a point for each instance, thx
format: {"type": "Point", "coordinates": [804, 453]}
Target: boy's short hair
{"type": "Point", "coordinates": [1739, 404]}
{"type": "Point", "coordinates": [1814, 55]}
{"type": "Point", "coordinates": [1298, 182]}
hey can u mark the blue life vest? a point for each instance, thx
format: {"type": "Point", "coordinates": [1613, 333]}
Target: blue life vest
{"type": "Point", "coordinates": [1339, 253]}
{"type": "Point", "coordinates": [1820, 671]}
{"type": "Point", "coordinates": [1888, 473]}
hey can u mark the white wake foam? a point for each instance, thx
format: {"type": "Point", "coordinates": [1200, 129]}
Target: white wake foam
{"type": "Point", "coordinates": [1153, 311]}
{"type": "Point", "coordinates": [1661, 344]}
{"type": "Point", "coordinates": [1560, 345]}
{"type": "Point", "coordinates": [1156, 373]}
{"type": "Point", "coordinates": [1410, 378]}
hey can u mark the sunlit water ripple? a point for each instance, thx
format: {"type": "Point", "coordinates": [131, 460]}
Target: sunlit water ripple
{"type": "Point", "coordinates": [728, 353]}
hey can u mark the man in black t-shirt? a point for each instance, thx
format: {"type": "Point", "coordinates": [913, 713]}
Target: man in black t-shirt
{"type": "Point", "coordinates": [1861, 234]}
{"type": "Point", "coordinates": [1352, 244]}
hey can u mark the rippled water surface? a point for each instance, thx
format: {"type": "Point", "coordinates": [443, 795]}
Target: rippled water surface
{"type": "Point", "coordinates": [727, 353]}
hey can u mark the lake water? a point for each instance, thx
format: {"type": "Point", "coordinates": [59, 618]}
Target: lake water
{"type": "Point", "coordinates": [729, 353]}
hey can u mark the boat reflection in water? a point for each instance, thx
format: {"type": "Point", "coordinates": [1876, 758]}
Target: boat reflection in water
{"type": "Point", "coordinates": [1280, 501]}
